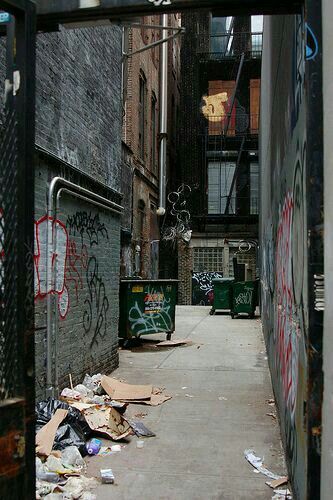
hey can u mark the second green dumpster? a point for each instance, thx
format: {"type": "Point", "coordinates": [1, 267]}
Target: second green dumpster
{"type": "Point", "coordinates": [244, 298]}
{"type": "Point", "coordinates": [222, 294]}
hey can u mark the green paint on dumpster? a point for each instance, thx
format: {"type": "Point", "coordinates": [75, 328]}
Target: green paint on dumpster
{"type": "Point", "coordinates": [222, 294]}
{"type": "Point", "coordinates": [147, 307]}
{"type": "Point", "coordinates": [244, 297]}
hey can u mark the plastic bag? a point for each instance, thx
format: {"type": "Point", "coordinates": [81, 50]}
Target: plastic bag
{"type": "Point", "coordinates": [73, 431]}
{"type": "Point", "coordinates": [72, 457]}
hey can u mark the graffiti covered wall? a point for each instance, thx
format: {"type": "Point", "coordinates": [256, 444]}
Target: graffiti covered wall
{"type": "Point", "coordinates": [285, 199]}
{"type": "Point", "coordinates": [76, 262]}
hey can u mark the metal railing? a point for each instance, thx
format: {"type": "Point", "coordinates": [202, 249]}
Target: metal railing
{"type": "Point", "coordinates": [230, 45]}
{"type": "Point", "coordinates": [239, 124]}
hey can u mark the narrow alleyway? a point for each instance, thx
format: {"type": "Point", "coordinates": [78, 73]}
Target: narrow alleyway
{"type": "Point", "coordinates": [220, 385]}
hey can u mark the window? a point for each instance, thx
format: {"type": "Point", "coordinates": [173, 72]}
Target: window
{"type": "Point", "coordinates": [142, 113]}
{"type": "Point", "coordinates": [220, 176]}
{"type": "Point", "coordinates": [254, 188]}
{"type": "Point", "coordinates": [153, 133]}
{"type": "Point", "coordinates": [221, 36]}
{"type": "Point", "coordinates": [207, 259]}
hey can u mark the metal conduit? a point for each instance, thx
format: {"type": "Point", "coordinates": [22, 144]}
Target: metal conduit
{"type": "Point", "coordinates": [53, 205]}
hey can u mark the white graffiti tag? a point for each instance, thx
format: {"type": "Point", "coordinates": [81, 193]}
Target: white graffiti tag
{"type": "Point", "coordinates": [157, 3]}
{"type": "Point", "coordinates": [244, 298]}
{"type": "Point", "coordinates": [155, 317]}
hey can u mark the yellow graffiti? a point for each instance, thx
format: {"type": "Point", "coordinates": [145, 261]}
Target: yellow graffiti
{"type": "Point", "coordinates": [213, 108]}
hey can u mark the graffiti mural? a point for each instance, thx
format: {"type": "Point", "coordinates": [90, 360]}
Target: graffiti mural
{"type": "Point", "coordinates": [154, 316]}
{"type": "Point", "coordinates": [202, 287]}
{"type": "Point", "coordinates": [285, 201]}
{"type": "Point", "coordinates": [96, 303]}
{"type": "Point", "coordinates": [50, 258]}
{"type": "Point", "coordinates": [86, 224]}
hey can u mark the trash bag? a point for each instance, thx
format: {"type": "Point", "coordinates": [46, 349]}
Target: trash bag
{"type": "Point", "coordinates": [73, 431]}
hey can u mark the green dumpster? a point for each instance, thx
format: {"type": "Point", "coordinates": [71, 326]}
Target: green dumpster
{"type": "Point", "coordinates": [147, 307]}
{"type": "Point", "coordinates": [244, 298]}
{"type": "Point", "coordinates": [222, 294]}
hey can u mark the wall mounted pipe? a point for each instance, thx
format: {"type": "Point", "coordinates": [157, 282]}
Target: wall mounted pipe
{"type": "Point", "coordinates": [163, 118]}
{"type": "Point", "coordinates": [53, 205]}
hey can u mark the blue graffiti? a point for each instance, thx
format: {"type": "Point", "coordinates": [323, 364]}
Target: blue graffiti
{"type": "Point", "coordinates": [311, 44]}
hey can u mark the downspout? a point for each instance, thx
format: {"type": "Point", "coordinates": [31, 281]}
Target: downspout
{"type": "Point", "coordinates": [52, 329]}
{"type": "Point", "coordinates": [163, 117]}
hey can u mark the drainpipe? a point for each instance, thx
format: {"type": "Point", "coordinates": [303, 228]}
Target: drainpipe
{"type": "Point", "coordinates": [53, 205]}
{"type": "Point", "coordinates": [163, 117]}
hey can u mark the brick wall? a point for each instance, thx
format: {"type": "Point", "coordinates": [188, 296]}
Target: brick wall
{"type": "Point", "coordinates": [185, 260]}
{"type": "Point", "coordinates": [78, 108]}
{"type": "Point", "coordinates": [79, 124]}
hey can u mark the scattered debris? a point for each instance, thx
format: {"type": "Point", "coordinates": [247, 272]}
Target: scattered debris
{"type": "Point", "coordinates": [271, 415]}
{"type": "Point", "coordinates": [189, 396]}
{"type": "Point", "coordinates": [140, 415]}
{"type": "Point", "coordinates": [271, 402]}
{"type": "Point", "coordinates": [107, 476]}
{"type": "Point", "coordinates": [93, 446]}
{"type": "Point", "coordinates": [222, 398]}
{"type": "Point", "coordinates": [107, 421]}
{"type": "Point", "coordinates": [282, 495]}
{"type": "Point", "coordinates": [140, 429]}
{"type": "Point", "coordinates": [45, 436]}
{"type": "Point", "coordinates": [174, 343]}
{"type": "Point", "coordinates": [257, 463]}
{"type": "Point", "coordinates": [277, 482]}
{"type": "Point", "coordinates": [184, 387]}
{"type": "Point", "coordinates": [140, 444]}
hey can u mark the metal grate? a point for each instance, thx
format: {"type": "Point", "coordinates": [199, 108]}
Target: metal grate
{"type": "Point", "coordinates": [207, 259]}
{"type": "Point", "coordinates": [8, 263]}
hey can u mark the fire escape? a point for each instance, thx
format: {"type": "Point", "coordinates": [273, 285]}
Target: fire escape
{"type": "Point", "coordinates": [230, 61]}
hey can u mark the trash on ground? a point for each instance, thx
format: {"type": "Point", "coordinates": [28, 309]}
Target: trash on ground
{"type": "Point", "coordinates": [140, 415]}
{"type": "Point", "coordinates": [127, 393]}
{"type": "Point", "coordinates": [46, 435]}
{"type": "Point", "coordinates": [174, 342]}
{"type": "Point", "coordinates": [107, 421]}
{"type": "Point", "coordinates": [271, 402]}
{"type": "Point", "coordinates": [277, 482]}
{"type": "Point", "coordinates": [84, 391]}
{"type": "Point", "coordinates": [257, 463]}
{"type": "Point", "coordinates": [140, 444]}
{"type": "Point", "coordinates": [282, 495]}
{"type": "Point", "coordinates": [71, 457]}
{"type": "Point", "coordinates": [189, 396]}
{"type": "Point", "coordinates": [73, 429]}
{"type": "Point", "coordinates": [93, 446]}
{"type": "Point", "coordinates": [140, 429]}
{"type": "Point", "coordinates": [109, 450]}
{"type": "Point", "coordinates": [107, 476]}
{"type": "Point", "coordinates": [222, 398]}
{"type": "Point", "coordinates": [271, 415]}
{"type": "Point", "coordinates": [121, 391]}
{"type": "Point", "coordinates": [70, 394]}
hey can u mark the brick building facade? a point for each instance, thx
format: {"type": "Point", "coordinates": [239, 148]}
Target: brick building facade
{"type": "Point", "coordinates": [141, 125]}
{"type": "Point", "coordinates": [218, 146]}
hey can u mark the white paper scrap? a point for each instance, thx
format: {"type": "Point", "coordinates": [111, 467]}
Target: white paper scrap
{"type": "Point", "coordinates": [257, 463]}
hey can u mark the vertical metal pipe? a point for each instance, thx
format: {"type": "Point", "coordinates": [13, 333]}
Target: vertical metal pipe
{"type": "Point", "coordinates": [163, 117]}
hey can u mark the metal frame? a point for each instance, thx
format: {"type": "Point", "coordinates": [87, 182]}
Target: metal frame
{"type": "Point", "coordinates": [17, 395]}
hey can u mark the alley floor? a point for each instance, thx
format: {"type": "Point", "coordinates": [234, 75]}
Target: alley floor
{"type": "Point", "coordinates": [220, 387]}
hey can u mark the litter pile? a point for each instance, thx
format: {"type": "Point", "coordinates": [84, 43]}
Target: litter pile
{"type": "Point", "coordinates": [277, 481]}
{"type": "Point", "coordinates": [68, 429]}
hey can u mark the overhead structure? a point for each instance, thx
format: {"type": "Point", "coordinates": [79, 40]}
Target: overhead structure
{"type": "Point", "coordinates": [52, 12]}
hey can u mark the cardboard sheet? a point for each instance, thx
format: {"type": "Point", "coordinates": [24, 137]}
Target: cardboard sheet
{"type": "Point", "coordinates": [121, 391]}
{"type": "Point", "coordinates": [45, 436]}
{"type": "Point", "coordinates": [106, 420]}
{"type": "Point", "coordinates": [174, 342]}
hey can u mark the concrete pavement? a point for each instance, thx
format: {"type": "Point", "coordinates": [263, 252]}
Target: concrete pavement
{"type": "Point", "coordinates": [220, 386]}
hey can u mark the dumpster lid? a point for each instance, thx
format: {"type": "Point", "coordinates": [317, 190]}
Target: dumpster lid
{"type": "Point", "coordinates": [219, 280]}
{"type": "Point", "coordinates": [137, 280]}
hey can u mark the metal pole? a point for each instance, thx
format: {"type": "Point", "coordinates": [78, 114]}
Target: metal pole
{"type": "Point", "coordinates": [163, 117]}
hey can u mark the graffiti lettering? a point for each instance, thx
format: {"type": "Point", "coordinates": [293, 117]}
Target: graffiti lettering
{"type": "Point", "coordinates": [157, 3]}
{"type": "Point", "coordinates": [84, 223]}
{"type": "Point", "coordinates": [50, 261]}
{"type": "Point", "coordinates": [96, 304]}
{"type": "Point", "coordinates": [244, 298]}
{"type": "Point", "coordinates": [156, 319]}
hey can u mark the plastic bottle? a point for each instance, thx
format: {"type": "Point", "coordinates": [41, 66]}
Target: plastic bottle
{"type": "Point", "coordinates": [93, 446]}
